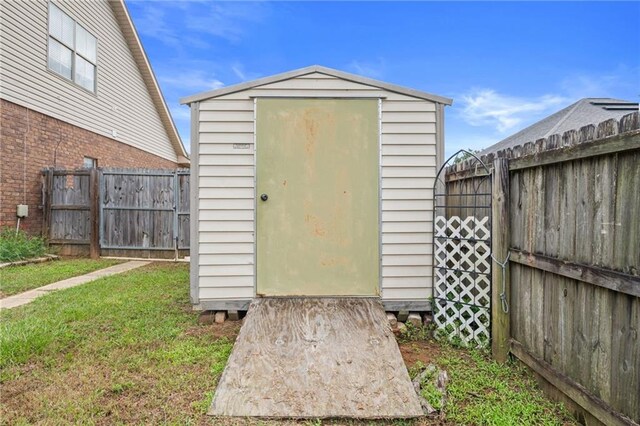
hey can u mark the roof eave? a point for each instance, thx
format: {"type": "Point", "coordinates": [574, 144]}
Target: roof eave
{"type": "Point", "coordinates": [316, 69]}
{"type": "Point", "coordinates": [183, 161]}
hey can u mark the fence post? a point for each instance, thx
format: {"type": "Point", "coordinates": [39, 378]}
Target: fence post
{"type": "Point", "coordinates": [500, 325]}
{"type": "Point", "coordinates": [94, 188]}
{"type": "Point", "coordinates": [176, 209]}
{"type": "Point", "coordinates": [46, 205]}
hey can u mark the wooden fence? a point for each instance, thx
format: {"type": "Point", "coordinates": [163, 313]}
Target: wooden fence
{"type": "Point", "coordinates": [571, 223]}
{"type": "Point", "coordinates": [118, 212]}
{"type": "Point", "coordinates": [70, 210]}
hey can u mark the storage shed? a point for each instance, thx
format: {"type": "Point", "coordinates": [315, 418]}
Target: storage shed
{"type": "Point", "coordinates": [313, 182]}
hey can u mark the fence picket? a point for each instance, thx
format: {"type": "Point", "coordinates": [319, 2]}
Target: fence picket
{"type": "Point", "coordinates": [130, 212]}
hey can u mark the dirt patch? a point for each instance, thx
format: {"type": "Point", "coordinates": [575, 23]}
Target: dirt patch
{"type": "Point", "coordinates": [228, 329]}
{"type": "Point", "coordinates": [424, 351]}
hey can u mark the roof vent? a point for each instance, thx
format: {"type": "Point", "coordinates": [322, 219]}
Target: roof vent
{"type": "Point", "coordinates": [621, 107]}
{"type": "Point", "coordinates": [611, 105]}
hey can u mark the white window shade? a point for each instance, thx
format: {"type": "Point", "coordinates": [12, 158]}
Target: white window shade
{"type": "Point", "coordinates": [86, 44]}
{"type": "Point", "coordinates": [61, 26]}
{"type": "Point", "coordinates": [60, 58]}
{"type": "Point", "coordinates": [85, 73]}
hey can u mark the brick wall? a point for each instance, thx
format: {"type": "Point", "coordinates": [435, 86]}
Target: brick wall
{"type": "Point", "coordinates": [30, 142]}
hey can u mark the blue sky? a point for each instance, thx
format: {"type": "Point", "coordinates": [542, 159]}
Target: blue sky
{"type": "Point", "coordinates": [505, 64]}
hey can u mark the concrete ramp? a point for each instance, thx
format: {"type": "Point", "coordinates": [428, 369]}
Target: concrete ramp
{"type": "Point", "coordinates": [316, 358]}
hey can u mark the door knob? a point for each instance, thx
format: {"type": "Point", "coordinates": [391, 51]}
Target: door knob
{"type": "Point", "coordinates": [264, 197]}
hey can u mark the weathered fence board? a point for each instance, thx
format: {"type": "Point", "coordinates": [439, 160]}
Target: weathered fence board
{"type": "Point", "coordinates": [574, 225]}
{"type": "Point", "coordinates": [134, 212]}
{"type": "Point", "coordinates": [144, 210]}
{"type": "Point", "coordinates": [183, 211]}
{"type": "Point", "coordinates": [67, 200]}
{"type": "Point", "coordinates": [613, 280]}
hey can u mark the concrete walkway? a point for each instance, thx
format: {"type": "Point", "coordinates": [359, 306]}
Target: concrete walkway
{"type": "Point", "coordinates": [31, 295]}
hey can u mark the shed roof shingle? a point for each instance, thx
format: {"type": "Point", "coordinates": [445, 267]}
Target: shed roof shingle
{"type": "Point", "coordinates": [582, 113]}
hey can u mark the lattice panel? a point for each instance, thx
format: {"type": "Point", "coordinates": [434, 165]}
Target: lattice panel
{"type": "Point", "coordinates": [463, 279]}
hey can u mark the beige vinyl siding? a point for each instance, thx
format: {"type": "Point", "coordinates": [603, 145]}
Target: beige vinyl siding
{"type": "Point", "coordinates": [226, 228]}
{"type": "Point", "coordinates": [408, 174]}
{"type": "Point", "coordinates": [208, 292]}
{"type": "Point", "coordinates": [122, 101]}
{"type": "Point", "coordinates": [227, 194]}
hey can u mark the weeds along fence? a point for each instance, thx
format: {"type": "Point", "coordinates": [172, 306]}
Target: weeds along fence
{"type": "Point", "coordinates": [117, 212]}
{"type": "Point", "coordinates": [571, 223]}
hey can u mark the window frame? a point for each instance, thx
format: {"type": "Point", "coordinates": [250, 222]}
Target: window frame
{"type": "Point", "coordinates": [73, 50]}
{"type": "Point", "coordinates": [94, 162]}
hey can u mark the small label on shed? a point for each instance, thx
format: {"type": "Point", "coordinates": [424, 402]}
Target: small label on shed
{"type": "Point", "coordinates": [241, 145]}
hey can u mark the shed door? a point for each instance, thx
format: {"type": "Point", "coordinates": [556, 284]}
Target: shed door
{"type": "Point", "coordinates": [317, 162]}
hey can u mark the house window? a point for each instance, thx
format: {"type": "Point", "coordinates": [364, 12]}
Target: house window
{"type": "Point", "coordinates": [73, 50]}
{"type": "Point", "coordinates": [90, 163]}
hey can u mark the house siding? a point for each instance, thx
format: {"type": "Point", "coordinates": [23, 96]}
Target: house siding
{"type": "Point", "coordinates": [226, 187]}
{"type": "Point", "coordinates": [122, 102]}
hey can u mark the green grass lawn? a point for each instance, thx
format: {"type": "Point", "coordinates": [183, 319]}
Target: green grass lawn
{"type": "Point", "coordinates": [18, 245]}
{"type": "Point", "coordinates": [483, 392]}
{"type": "Point", "coordinates": [16, 279]}
{"type": "Point", "coordinates": [122, 349]}
{"type": "Point", "coordinates": [127, 349]}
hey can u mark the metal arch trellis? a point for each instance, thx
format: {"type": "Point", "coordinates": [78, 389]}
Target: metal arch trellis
{"type": "Point", "coordinates": [462, 255]}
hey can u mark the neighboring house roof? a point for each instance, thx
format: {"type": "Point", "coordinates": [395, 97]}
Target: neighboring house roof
{"type": "Point", "coordinates": [582, 113]}
{"type": "Point", "coordinates": [131, 36]}
{"type": "Point", "coordinates": [316, 69]}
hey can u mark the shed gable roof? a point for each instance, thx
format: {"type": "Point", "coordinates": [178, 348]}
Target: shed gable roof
{"type": "Point", "coordinates": [137, 50]}
{"type": "Point", "coordinates": [316, 69]}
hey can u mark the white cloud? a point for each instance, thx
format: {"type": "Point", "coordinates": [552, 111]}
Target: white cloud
{"type": "Point", "coordinates": [501, 113]}
{"type": "Point", "coordinates": [240, 72]}
{"type": "Point", "coordinates": [373, 69]}
{"type": "Point", "coordinates": [613, 83]}
{"type": "Point", "coordinates": [182, 24]}
{"type": "Point", "coordinates": [181, 113]}
{"type": "Point", "coordinates": [486, 107]}
{"type": "Point", "coordinates": [481, 117]}
{"type": "Point", "coordinates": [190, 80]}
{"type": "Point", "coordinates": [467, 141]}
{"type": "Point", "coordinates": [227, 20]}
{"type": "Point", "coordinates": [152, 22]}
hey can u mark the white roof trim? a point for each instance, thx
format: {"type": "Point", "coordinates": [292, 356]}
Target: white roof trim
{"type": "Point", "coordinates": [316, 69]}
{"type": "Point", "coordinates": [133, 41]}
